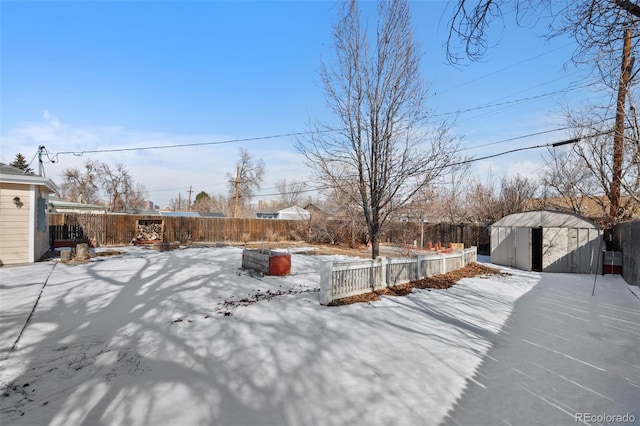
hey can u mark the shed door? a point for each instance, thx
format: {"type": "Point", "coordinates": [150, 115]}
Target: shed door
{"type": "Point", "coordinates": [536, 249]}
{"type": "Point", "coordinates": [523, 248]}
{"type": "Point", "coordinates": [555, 250]}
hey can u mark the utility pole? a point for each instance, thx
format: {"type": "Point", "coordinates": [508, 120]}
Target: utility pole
{"type": "Point", "coordinates": [237, 183]}
{"type": "Point", "coordinates": [189, 191]}
{"type": "Point", "coordinates": [618, 135]}
{"type": "Point", "coordinates": [40, 163]}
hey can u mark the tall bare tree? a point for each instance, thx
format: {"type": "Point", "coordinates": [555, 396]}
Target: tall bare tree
{"type": "Point", "coordinates": [123, 193]}
{"type": "Point", "coordinates": [597, 26]}
{"type": "Point", "coordinates": [482, 201]}
{"type": "Point", "coordinates": [585, 171]}
{"type": "Point", "coordinates": [451, 191]}
{"type": "Point", "coordinates": [376, 95]}
{"type": "Point", "coordinates": [290, 191]}
{"type": "Point", "coordinates": [568, 179]}
{"type": "Point", "coordinates": [515, 194]}
{"type": "Point", "coordinates": [117, 186]}
{"type": "Point", "coordinates": [81, 186]}
{"type": "Point", "coordinates": [246, 180]}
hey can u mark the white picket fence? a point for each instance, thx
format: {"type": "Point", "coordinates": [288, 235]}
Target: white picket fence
{"type": "Point", "coordinates": [340, 280]}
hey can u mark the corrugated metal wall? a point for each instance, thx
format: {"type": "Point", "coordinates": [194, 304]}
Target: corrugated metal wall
{"type": "Point", "coordinates": [573, 250]}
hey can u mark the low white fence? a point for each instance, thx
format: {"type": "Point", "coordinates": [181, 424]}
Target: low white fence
{"type": "Point", "coordinates": [340, 280]}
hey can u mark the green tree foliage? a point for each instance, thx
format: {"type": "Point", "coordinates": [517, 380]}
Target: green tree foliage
{"type": "Point", "coordinates": [21, 163]}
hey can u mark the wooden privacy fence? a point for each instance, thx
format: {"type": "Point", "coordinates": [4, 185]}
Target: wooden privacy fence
{"type": "Point", "coordinates": [627, 239]}
{"type": "Point", "coordinates": [470, 234]}
{"type": "Point", "coordinates": [340, 280]}
{"type": "Point", "coordinates": [121, 229]}
{"type": "Point", "coordinates": [62, 235]}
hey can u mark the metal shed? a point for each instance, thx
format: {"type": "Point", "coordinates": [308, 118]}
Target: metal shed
{"type": "Point", "coordinates": [547, 241]}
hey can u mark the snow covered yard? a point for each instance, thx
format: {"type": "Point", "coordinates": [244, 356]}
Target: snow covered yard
{"type": "Point", "coordinates": [142, 339]}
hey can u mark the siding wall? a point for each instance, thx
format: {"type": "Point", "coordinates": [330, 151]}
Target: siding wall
{"type": "Point", "coordinates": [14, 224]}
{"type": "Point", "coordinates": [41, 231]}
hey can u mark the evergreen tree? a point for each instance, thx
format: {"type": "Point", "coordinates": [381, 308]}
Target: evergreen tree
{"type": "Point", "coordinates": [21, 163]}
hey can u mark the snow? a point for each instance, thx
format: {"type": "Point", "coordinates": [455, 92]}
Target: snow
{"type": "Point", "coordinates": [143, 339]}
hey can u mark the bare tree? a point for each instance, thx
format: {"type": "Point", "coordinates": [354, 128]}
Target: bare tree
{"type": "Point", "coordinates": [135, 198]}
{"type": "Point", "coordinates": [451, 200]}
{"type": "Point", "coordinates": [81, 186]}
{"type": "Point", "coordinates": [376, 95]}
{"type": "Point", "coordinates": [117, 186]}
{"type": "Point", "coordinates": [247, 179]}
{"type": "Point", "coordinates": [597, 26]}
{"type": "Point", "coordinates": [221, 203]}
{"type": "Point", "coordinates": [290, 191]}
{"type": "Point", "coordinates": [604, 30]}
{"type": "Point", "coordinates": [123, 193]}
{"type": "Point", "coordinates": [482, 201]}
{"type": "Point", "coordinates": [567, 179]}
{"type": "Point", "coordinates": [515, 194]}
{"type": "Point", "coordinates": [584, 171]}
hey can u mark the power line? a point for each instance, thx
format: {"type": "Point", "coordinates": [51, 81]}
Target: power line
{"type": "Point", "coordinates": [501, 69]}
{"type": "Point", "coordinates": [514, 101]}
{"type": "Point", "coordinates": [293, 134]}
{"type": "Point", "coordinates": [515, 138]}
{"type": "Point", "coordinates": [283, 135]}
{"type": "Point", "coordinates": [472, 160]}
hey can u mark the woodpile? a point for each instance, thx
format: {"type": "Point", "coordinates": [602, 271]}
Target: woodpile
{"type": "Point", "coordinates": [149, 231]}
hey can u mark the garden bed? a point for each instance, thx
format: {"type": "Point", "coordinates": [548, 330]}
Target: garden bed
{"type": "Point", "coordinates": [440, 281]}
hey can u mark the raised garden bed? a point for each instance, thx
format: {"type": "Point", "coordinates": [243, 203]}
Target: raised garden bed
{"type": "Point", "coordinates": [269, 262]}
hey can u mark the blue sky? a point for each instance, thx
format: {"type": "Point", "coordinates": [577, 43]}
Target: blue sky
{"type": "Point", "coordinates": [101, 75]}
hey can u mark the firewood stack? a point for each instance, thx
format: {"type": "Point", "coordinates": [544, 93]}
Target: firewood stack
{"type": "Point", "coordinates": [149, 232]}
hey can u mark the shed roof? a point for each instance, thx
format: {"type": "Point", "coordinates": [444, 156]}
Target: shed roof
{"type": "Point", "coordinates": [60, 204]}
{"type": "Point", "coordinates": [546, 219]}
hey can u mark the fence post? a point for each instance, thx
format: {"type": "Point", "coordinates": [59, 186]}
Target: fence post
{"type": "Point", "coordinates": [419, 267]}
{"type": "Point", "coordinates": [326, 284]}
{"type": "Point", "coordinates": [383, 272]}
{"type": "Point", "coordinates": [443, 267]}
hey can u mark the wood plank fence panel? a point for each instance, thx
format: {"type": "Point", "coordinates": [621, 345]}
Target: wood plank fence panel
{"type": "Point", "coordinates": [627, 240]}
{"type": "Point", "coordinates": [471, 234]}
{"type": "Point", "coordinates": [121, 229]}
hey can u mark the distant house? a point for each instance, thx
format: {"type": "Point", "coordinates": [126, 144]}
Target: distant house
{"type": "Point", "coordinates": [58, 205]}
{"type": "Point", "coordinates": [267, 214]}
{"type": "Point", "coordinates": [290, 213]}
{"type": "Point", "coordinates": [24, 225]}
{"type": "Point", "coordinates": [315, 211]}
